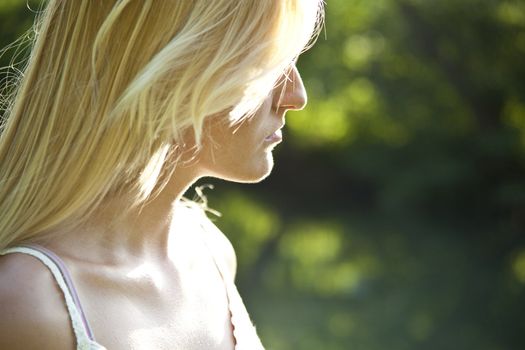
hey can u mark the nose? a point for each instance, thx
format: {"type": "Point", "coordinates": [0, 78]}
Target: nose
{"type": "Point", "coordinates": [290, 94]}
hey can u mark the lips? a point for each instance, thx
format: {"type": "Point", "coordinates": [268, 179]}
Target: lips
{"type": "Point", "coordinates": [277, 136]}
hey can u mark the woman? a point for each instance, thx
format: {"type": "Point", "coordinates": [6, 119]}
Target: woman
{"type": "Point", "coordinates": [123, 105]}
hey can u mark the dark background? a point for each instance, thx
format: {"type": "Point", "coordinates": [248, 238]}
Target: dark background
{"type": "Point", "coordinates": [395, 217]}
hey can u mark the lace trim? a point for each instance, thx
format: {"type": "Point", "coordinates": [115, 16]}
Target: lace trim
{"type": "Point", "coordinates": [80, 328]}
{"type": "Point", "coordinates": [244, 332]}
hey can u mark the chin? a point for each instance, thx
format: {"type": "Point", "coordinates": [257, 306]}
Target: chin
{"type": "Point", "coordinates": [249, 173]}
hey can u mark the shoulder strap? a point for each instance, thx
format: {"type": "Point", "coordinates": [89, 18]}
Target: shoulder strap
{"type": "Point", "coordinates": [81, 328]}
{"type": "Point", "coordinates": [244, 331]}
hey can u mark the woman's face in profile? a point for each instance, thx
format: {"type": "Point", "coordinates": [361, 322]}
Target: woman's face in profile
{"type": "Point", "coordinates": [243, 153]}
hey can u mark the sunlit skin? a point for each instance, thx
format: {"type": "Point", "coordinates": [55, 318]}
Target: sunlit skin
{"type": "Point", "coordinates": [147, 281]}
{"type": "Point", "coordinates": [244, 153]}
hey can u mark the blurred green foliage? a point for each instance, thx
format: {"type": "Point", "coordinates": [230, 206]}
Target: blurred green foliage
{"type": "Point", "coordinates": [395, 217]}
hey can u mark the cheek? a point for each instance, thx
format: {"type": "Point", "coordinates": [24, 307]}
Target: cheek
{"type": "Point", "coordinates": [239, 145]}
{"type": "Point", "coordinates": [238, 153]}
{"type": "Point", "coordinates": [240, 157]}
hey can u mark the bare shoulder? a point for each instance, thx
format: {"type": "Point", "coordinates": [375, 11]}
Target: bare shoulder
{"type": "Point", "coordinates": [223, 244]}
{"type": "Point", "coordinates": [34, 315]}
{"type": "Point", "coordinates": [219, 242]}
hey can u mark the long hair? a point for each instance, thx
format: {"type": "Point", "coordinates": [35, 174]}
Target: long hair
{"type": "Point", "coordinates": [112, 86]}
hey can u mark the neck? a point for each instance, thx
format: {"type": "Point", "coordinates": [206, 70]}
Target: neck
{"type": "Point", "coordinates": [110, 238]}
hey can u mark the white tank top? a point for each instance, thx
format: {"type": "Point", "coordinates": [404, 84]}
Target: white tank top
{"type": "Point", "coordinates": [79, 323]}
{"type": "Point", "coordinates": [244, 332]}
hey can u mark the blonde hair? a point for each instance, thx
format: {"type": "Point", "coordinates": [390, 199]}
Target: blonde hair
{"type": "Point", "coordinates": [111, 88]}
